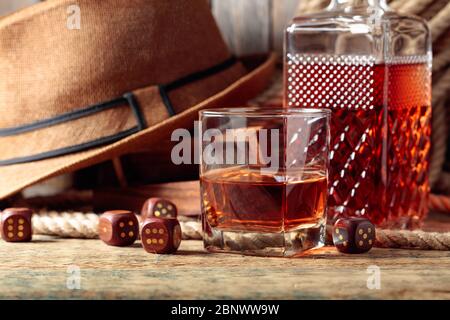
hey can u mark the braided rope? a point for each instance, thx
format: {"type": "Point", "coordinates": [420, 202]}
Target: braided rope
{"type": "Point", "coordinates": [434, 8]}
{"type": "Point", "coordinates": [440, 22]}
{"type": "Point", "coordinates": [439, 142]}
{"type": "Point", "coordinates": [439, 203]}
{"type": "Point", "coordinates": [443, 184]}
{"type": "Point", "coordinates": [441, 60]}
{"type": "Point", "coordinates": [441, 86]}
{"type": "Point", "coordinates": [84, 225]}
{"type": "Point", "coordinates": [412, 7]}
{"type": "Point", "coordinates": [413, 240]}
{"type": "Point", "coordinates": [398, 4]}
{"type": "Point", "coordinates": [66, 225]}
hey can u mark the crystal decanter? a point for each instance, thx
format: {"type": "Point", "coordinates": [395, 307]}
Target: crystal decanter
{"type": "Point", "coordinates": [372, 67]}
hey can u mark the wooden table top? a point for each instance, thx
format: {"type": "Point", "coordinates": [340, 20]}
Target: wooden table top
{"type": "Point", "coordinates": [41, 269]}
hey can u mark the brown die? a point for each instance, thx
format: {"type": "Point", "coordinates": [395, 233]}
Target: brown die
{"type": "Point", "coordinates": [118, 228]}
{"type": "Point", "coordinates": [158, 207]}
{"type": "Point", "coordinates": [353, 235]}
{"type": "Point", "coordinates": [161, 235]}
{"type": "Point", "coordinates": [16, 225]}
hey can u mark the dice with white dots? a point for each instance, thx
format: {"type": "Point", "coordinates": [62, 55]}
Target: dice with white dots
{"type": "Point", "coordinates": [158, 207]}
{"type": "Point", "coordinates": [161, 235]}
{"type": "Point", "coordinates": [118, 228]}
{"type": "Point", "coordinates": [353, 235]}
{"type": "Point", "coordinates": [16, 225]}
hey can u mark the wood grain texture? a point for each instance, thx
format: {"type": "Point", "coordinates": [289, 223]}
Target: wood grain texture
{"type": "Point", "coordinates": [38, 270]}
{"type": "Point", "coordinates": [254, 26]}
{"type": "Point", "coordinates": [245, 25]}
{"type": "Point", "coordinates": [282, 12]}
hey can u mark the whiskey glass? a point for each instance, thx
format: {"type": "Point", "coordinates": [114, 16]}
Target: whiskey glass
{"type": "Point", "coordinates": [263, 177]}
{"type": "Point", "coordinates": [372, 67]}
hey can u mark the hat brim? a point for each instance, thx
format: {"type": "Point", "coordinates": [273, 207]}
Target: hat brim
{"type": "Point", "coordinates": [14, 178]}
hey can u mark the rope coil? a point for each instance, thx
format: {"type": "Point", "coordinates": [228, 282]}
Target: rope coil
{"type": "Point", "coordinates": [84, 225]}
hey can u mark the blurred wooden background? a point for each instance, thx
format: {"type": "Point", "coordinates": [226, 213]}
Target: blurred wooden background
{"type": "Point", "coordinates": [253, 26]}
{"type": "Point", "coordinates": [248, 26]}
{"type": "Point", "coordinates": [8, 6]}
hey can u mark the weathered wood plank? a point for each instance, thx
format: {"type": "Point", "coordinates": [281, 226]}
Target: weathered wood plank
{"type": "Point", "coordinates": [282, 12]}
{"type": "Point", "coordinates": [245, 25]}
{"type": "Point", "coordinates": [40, 270]}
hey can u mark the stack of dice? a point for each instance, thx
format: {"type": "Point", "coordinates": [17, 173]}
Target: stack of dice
{"type": "Point", "coordinates": [160, 230]}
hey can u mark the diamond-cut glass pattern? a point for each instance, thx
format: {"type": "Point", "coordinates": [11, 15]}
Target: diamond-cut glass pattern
{"type": "Point", "coordinates": [380, 130]}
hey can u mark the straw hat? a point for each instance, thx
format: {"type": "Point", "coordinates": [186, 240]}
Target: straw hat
{"type": "Point", "coordinates": [132, 72]}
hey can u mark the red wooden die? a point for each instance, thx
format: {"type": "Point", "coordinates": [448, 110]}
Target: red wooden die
{"type": "Point", "coordinates": [353, 235]}
{"type": "Point", "coordinates": [118, 228]}
{"type": "Point", "coordinates": [158, 207]}
{"type": "Point", "coordinates": [16, 225]}
{"type": "Point", "coordinates": [161, 235]}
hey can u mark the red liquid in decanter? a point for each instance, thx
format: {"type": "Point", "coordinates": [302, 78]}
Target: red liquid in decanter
{"type": "Point", "coordinates": [380, 132]}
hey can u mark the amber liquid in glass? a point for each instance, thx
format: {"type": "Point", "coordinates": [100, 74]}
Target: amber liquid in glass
{"type": "Point", "coordinates": [244, 199]}
{"type": "Point", "coordinates": [380, 135]}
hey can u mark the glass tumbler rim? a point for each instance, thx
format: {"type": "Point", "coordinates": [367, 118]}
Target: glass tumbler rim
{"type": "Point", "coordinates": [265, 112]}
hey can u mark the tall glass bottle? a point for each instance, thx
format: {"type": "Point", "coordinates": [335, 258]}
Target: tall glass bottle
{"type": "Point", "coordinates": [372, 68]}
